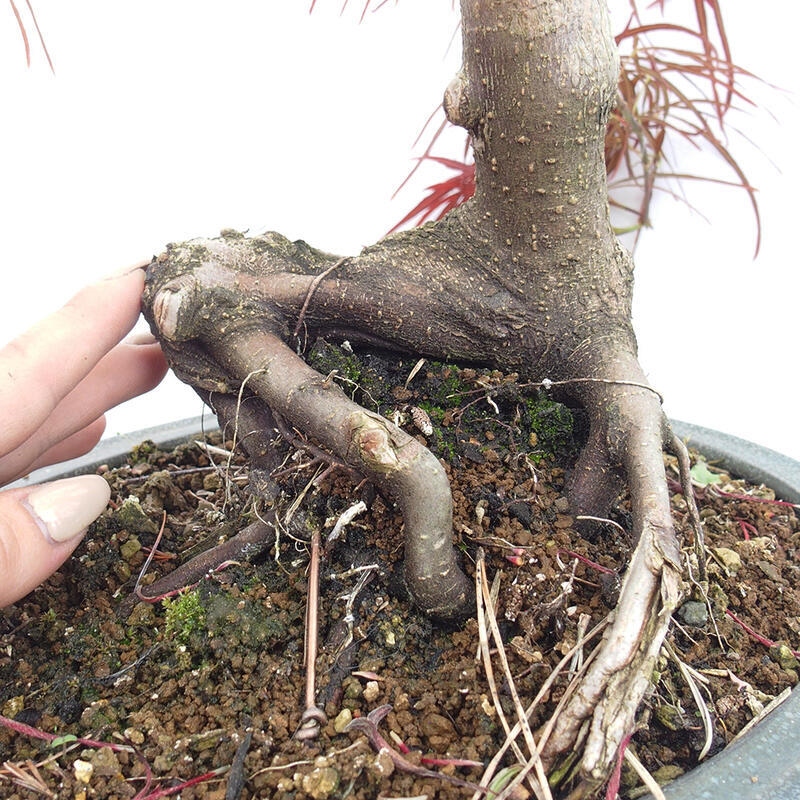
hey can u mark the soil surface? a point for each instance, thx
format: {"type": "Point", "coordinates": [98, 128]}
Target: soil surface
{"type": "Point", "coordinates": [212, 680]}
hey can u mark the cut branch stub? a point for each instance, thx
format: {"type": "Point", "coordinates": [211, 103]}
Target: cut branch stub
{"type": "Point", "coordinates": [397, 463]}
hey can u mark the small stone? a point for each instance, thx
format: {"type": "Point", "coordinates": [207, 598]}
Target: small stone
{"type": "Point", "coordinates": [321, 782]}
{"type": "Point", "coordinates": [352, 688]}
{"type": "Point", "coordinates": [131, 516]}
{"type": "Point", "coordinates": [13, 706]}
{"type": "Point", "coordinates": [129, 548]}
{"type": "Point", "coordinates": [205, 740]}
{"type": "Point", "coordinates": [667, 773]}
{"type": "Point", "coordinates": [782, 655]}
{"type": "Point", "coordinates": [83, 770]}
{"type": "Point", "coordinates": [164, 762]}
{"type": "Point", "coordinates": [371, 691]}
{"type": "Point", "coordinates": [670, 717]}
{"type": "Point", "coordinates": [212, 482]}
{"type": "Point", "coordinates": [134, 735]}
{"type": "Point", "coordinates": [756, 546]}
{"type": "Point", "coordinates": [693, 613]}
{"type": "Point", "coordinates": [436, 725]}
{"type": "Point", "coordinates": [439, 732]}
{"type": "Point", "coordinates": [105, 762]}
{"type": "Point", "coordinates": [770, 570]}
{"type": "Point", "coordinates": [730, 559]}
{"type": "Point", "coordinates": [343, 719]}
{"type": "Point", "coordinates": [383, 764]}
{"type": "Point", "coordinates": [98, 714]}
{"type": "Point", "coordinates": [561, 504]}
{"type": "Point", "coordinates": [401, 702]}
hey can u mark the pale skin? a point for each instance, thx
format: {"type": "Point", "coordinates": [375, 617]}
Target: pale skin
{"type": "Point", "coordinates": [56, 382]}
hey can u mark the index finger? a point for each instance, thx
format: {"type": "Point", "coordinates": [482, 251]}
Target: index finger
{"type": "Point", "coordinates": [40, 367]}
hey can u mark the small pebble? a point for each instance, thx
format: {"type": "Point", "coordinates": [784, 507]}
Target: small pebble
{"type": "Point", "coordinates": [321, 782]}
{"type": "Point", "coordinates": [134, 735]}
{"type": "Point", "coordinates": [131, 516]}
{"type": "Point", "coordinates": [693, 613]}
{"type": "Point", "coordinates": [437, 725]}
{"type": "Point", "coordinates": [105, 762]}
{"type": "Point", "coordinates": [782, 655]}
{"type": "Point", "coordinates": [371, 691]}
{"type": "Point", "coordinates": [343, 719]}
{"type": "Point", "coordinates": [83, 770]}
{"type": "Point", "coordinates": [129, 548]}
{"type": "Point", "coordinates": [730, 559]}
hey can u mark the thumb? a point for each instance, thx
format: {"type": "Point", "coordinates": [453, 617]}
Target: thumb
{"type": "Point", "coordinates": [40, 526]}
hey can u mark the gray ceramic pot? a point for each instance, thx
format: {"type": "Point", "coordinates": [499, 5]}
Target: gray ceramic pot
{"type": "Point", "coordinates": [765, 764]}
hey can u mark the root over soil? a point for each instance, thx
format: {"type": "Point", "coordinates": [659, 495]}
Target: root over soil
{"type": "Point", "coordinates": [183, 682]}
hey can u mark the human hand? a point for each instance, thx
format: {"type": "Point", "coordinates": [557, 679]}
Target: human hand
{"type": "Point", "coordinates": [56, 382]}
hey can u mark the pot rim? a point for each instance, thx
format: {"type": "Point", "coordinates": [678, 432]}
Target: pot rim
{"type": "Point", "coordinates": [763, 764]}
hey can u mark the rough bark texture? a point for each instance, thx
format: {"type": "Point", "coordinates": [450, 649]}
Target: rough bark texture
{"type": "Point", "coordinates": [528, 276]}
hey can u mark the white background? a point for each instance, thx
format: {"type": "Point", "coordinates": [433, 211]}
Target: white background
{"type": "Point", "coordinates": [173, 119]}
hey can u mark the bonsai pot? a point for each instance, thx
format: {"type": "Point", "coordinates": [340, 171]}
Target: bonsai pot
{"type": "Point", "coordinates": [765, 763]}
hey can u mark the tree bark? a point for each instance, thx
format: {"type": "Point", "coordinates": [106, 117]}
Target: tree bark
{"type": "Point", "coordinates": [527, 277]}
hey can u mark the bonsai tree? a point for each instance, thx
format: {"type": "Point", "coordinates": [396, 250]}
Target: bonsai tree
{"type": "Point", "coordinates": [525, 275]}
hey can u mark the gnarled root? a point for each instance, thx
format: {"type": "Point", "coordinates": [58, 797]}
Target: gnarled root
{"type": "Point", "coordinates": [394, 461]}
{"type": "Point", "coordinates": [225, 310]}
{"type": "Point", "coordinates": [631, 434]}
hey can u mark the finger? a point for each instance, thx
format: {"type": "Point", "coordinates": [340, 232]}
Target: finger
{"type": "Point", "coordinates": [80, 443]}
{"type": "Point", "coordinates": [43, 365]}
{"type": "Point", "coordinates": [127, 371]}
{"type": "Point", "coordinates": [40, 526]}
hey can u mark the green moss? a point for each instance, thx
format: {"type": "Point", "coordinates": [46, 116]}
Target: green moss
{"type": "Point", "coordinates": [142, 451]}
{"type": "Point", "coordinates": [132, 517]}
{"type": "Point", "coordinates": [327, 358]}
{"type": "Point", "coordinates": [185, 617]}
{"type": "Point", "coordinates": [436, 413]}
{"type": "Point", "coordinates": [550, 425]}
{"type": "Point", "coordinates": [196, 255]}
{"type": "Point", "coordinates": [450, 387]}
{"type": "Point", "coordinates": [292, 256]}
{"type": "Point", "coordinates": [245, 623]}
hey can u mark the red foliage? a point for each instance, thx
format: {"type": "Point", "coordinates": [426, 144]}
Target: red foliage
{"type": "Point", "coordinates": [675, 81]}
{"type": "Point", "coordinates": [445, 195]}
{"type": "Point", "coordinates": [24, 32]}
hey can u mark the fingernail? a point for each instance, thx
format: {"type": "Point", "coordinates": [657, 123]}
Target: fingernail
{"type": "Point", "coordinates": [141, 337]}
{"type": "Point", "coordinates": [64, 509]}
{"type": "Point", "coordinates": [119, 273]}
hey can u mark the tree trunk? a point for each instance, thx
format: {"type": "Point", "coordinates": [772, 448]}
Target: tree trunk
{"type": "Point", "coordinates": [527, 277]}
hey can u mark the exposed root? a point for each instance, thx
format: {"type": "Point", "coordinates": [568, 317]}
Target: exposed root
{"type": "Point", "coordinates": [394, 461]}
{"type": "Point", "coordinates": [612, 688]}
{"type": "Point", "coordinates": [678, 449]}
{"type": "Point", "coordinates": [246, 544]}
{"type": "Point", "coordinates": [625, 444]}
{"type": "Point", "coordinates": [527, 277]}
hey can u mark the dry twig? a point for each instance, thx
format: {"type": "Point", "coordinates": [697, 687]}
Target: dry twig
{"type": "Point", "coordinates": [313, 716]}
